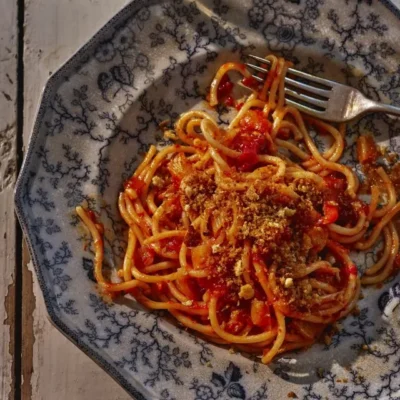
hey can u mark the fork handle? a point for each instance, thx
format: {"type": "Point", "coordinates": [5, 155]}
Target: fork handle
{"type": "Point", "coordinates": [385, 108]}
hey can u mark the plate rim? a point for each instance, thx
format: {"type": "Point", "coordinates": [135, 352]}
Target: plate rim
{"type": "Point", "coordinates": [128, 10]}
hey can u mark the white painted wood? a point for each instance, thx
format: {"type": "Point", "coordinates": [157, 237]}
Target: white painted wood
{"type": "Point", "coordinates": [58, 367]}
{"type": "Point", "coordinates": [52, 366]}
{"type": "Point", "coordinates": [8, 94]}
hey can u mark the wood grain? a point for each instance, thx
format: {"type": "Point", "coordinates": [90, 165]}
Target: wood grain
{"type": "Point", "coordinates": [52, 366]}
{"type": "Point", "coordinates": [8, 162]}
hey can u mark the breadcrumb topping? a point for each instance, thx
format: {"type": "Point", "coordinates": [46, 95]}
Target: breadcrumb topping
{"type": "Point", "coordinates": [277, 217]}
{"type": "Point", "coordinates": [246, 292]}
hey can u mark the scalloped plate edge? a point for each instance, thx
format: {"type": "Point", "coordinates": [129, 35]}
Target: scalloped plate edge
{"type": "Point", "coordinates": [52, 83]}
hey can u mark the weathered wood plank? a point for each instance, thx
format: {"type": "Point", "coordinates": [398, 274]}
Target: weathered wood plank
{"type": "Point", "coordinates": [8, 96]}
{"type": "Point", "coordinates": [51, 364]}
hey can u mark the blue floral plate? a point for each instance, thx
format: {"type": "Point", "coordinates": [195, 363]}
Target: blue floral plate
{"type": "Point", "coordinates": [102, 109]}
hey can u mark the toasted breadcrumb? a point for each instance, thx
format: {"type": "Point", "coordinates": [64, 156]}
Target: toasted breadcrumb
{"type": "Point", "coordinates": [275, 218]}
{"type": "Point", "coordinates": [288, 282]}
{"type": "Point", "coordinates": [157, 181]}
{"type": "Point", "coordinates": [246, 292]}
{"type": "Point", "coordinates": [238, 268]}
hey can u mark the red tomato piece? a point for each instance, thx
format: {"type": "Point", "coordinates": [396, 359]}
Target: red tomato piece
{"type": "Point", "coordinates": [146, 255]}
{"type": "Point", "coordinates": [216, 285]}
{"type": "Point", "coordinates": [162, 287]}
{"type": "Point", "coordinates": [250, 144]}
{"type": "Point", "coordinates": [261, 314]}
{"type": "Point", "coordinates": [250, 82]}
{"type": "Point", "coordinates": [347, 271]}
{"type": "Point", "coordinates": [247, 161]}
{"type": "Point", "coordinates": [255, 120]}
{"type": "Point", "coordinates": [230, 101]}
{"type": "Point", "coordinates": [237, 321]}
{"type": "Point", "coordinates": [91, 216]}
{"type": "Point", "coordinates": [239, 106]}
{"type": "Point", "coordinates": [331, 213]}
{"type": "Point", "coordinates": [351, 269]}
{"type": "Point", "coordinates": [135, 183]}
{"type": "Point", "coordinates": [225, 87]}
{"type": "Point", "coordinates": [174, 244]}
{"type": "Point", "coordinates": [336, 183]}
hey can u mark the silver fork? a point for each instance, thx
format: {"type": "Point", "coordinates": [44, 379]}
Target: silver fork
{"type": "Point", "coordinates": [323, 98]}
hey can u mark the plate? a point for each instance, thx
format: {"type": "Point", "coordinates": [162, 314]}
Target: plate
{"type": "Point", "coordinates": [101, 110]}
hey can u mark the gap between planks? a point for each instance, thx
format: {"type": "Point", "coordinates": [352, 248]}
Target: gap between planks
{"type": "Point", "coordinates": [8, 170]}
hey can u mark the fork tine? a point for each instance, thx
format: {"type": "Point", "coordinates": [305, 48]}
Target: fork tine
{"type": "Point", "coordinates": [301, 107]}
{"type": "Point", "coordinates": [307, 99]}
{"type": "Point", "coordinates": [293, 82]}
{"type": "Point", "coordinates": [307, 88]}
{"type": "Point", "coordinates": [257, 78]}
{"type": "Point", "coordinates": [312, 78]}
{"type": "Point", "coordinates": [259, 59]}
{"type": "Point", "coordinates": [257, 68]}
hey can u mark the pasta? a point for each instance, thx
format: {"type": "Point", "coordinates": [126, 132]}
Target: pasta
{"type": "Point", "coordinates": [243, 232]}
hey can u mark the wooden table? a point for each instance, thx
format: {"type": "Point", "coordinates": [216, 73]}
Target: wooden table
{"type": "Point", "coordinates": [37, 361]}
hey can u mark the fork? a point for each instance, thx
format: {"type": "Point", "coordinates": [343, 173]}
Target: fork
{"type": "Point", "coordinates": [323, 98]}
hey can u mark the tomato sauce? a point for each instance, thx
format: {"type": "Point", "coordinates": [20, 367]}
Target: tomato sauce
{"type": "Point", "coordinates": [172, 245]}
{"type": "Point", "coordinates": [196, 290]}
{"type": "Point", "coordinates": [174, 208]}
{"type": "Point", "coordinates": [336, 182]}
{"type": "Point", "coordinates": [259, 292]}
{"type": "Point", "coordinates": [249, 145]}
{"type": "Point", "coordinates": [176, 182]}
{"type": "Point", "coordinates": [220, 283]}
{"type": "Point", "coordinates": [225, 88]}
{"type": "Point", "coordinates": [264, 319]}
{"type": "Point", "coordinates": [331, 213]}
{"type": "Point", "coordinates": [255, 120]}
{"type": "Point", "coordinates": [325, 276]}
{"type": "Point", "coordinates": [351, 269]}
{"type": "Point", "coordinates": [257, 258]}
{"type": "Point", "coordinates": [92, 216]}
{"type": "Point", "coordinates": [162, 288]}
{"type": "Point", "coordinates": [217, 285]}
{"type": "Point", "coordinates": [346, 272]}
{"type": "Point", "coordinates": [238, 320]}
{"type": "Point", "coordinates": [335, 191]}
{"type": "Point", "coordinates": [230, 101]}
{"type": "Point", "coordinates": [145, 256]}
{"type": "Point", "coordinates": [239, 106]}
{"type": "Point", "coordinates": [283, 133]}
{"type": "Point", "coordinates": [136, 184]}
{"type": "Point", "coordinates": [396, 264]}
{"type": "Point", "coordinates": [250, 82]}
{"type": "Point", "coordinates": [252, 139]}
{"type": "Point", "coordinates": [304, 219]}
{"type": "Point", "coordinates": [246, 161]}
